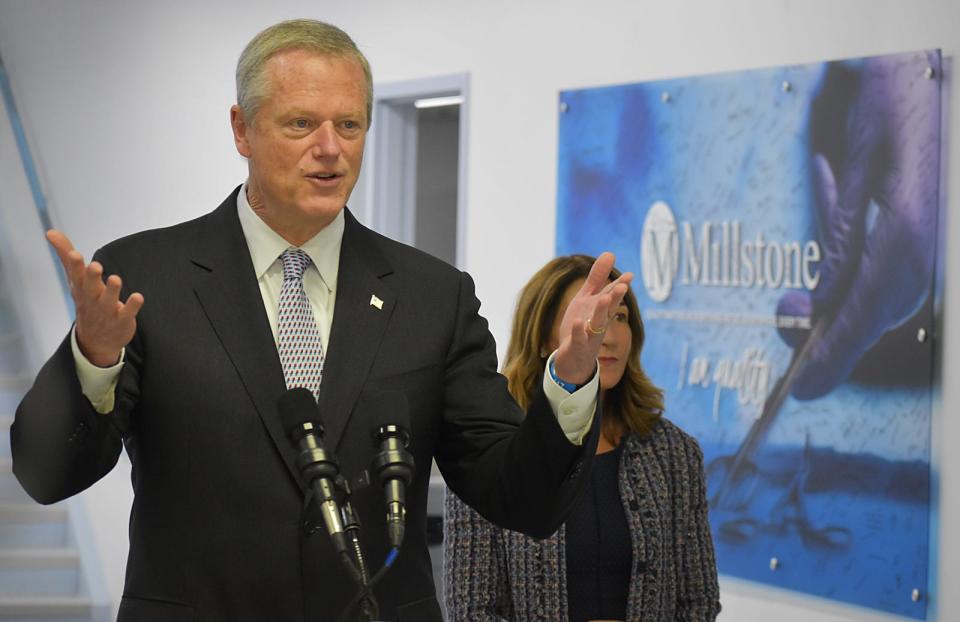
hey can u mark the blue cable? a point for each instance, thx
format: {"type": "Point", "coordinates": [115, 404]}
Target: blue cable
{"type": "Point", "coordinates": [391, 557]}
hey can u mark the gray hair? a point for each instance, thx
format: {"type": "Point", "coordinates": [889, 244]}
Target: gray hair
{"type": "Point", "coordinates": [296, 34]}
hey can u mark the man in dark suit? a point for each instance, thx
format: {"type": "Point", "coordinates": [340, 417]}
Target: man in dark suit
{"type": "Point", "coordinates": [174, 356]}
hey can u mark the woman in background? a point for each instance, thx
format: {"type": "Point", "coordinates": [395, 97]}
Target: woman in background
{"type": "Point", "coordinates": [637, 544]}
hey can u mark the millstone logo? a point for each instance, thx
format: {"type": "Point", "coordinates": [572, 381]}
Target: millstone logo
{"type": "Point", "coordinates": [716, 254]}
{"type": "Point", "coordinates": [659, 251]}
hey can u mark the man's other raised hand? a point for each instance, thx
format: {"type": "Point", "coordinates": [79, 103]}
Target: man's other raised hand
{"type": "Point", "coordinates": [104, 324]}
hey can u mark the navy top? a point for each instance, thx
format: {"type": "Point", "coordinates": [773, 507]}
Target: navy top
{"type": "Point", "coordinates": [598, 548]}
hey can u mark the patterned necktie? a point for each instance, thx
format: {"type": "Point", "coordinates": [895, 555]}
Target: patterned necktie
{"type": "Point", "coordinates": [301, 353]}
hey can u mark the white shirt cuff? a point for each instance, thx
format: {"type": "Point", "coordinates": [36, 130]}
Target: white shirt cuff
{"type": "Point", "coordinates": [575, 410]}
{"type": "Point", "coordinates": [98, 384]}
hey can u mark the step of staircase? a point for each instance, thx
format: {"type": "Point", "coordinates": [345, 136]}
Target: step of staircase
{"type": "Point", "coordinates": [11, 492]}
{"type": "Point", "coordinates": [5, 423]}
{"type": "Point", "coordinates": [45, 609]}
{"type": "Point", "coordinates": [12, 377]}
{"type": "Point", "coordinates": [39, 572]}
{"type": "Point", "coordinates": [11, 355]}
{"type": "Point", "coordinates": [10, 399]}
{"type": "Point", "coordinates": [29, 525]}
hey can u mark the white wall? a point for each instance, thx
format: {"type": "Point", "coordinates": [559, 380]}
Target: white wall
{"type": "Point", "coordinates": [126, 104]}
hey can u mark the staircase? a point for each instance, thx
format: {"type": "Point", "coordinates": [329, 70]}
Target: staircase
{"type": "Point", "coordinates": [41, 577]}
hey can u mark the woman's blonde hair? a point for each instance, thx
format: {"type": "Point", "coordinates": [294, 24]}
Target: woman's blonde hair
{"type": "Point", "coordinates": [634, 404]}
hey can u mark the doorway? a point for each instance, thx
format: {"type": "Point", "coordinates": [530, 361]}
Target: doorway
{"type": "Point", "coordinates": [412, 186]}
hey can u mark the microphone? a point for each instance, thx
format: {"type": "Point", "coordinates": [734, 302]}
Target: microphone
{"type": "Point", "coordinates": [393, 465]}
{"type": "Point", "coordinates": [300, 418]}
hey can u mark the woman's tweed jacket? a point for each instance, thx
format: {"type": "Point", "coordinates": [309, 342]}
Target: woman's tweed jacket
{"type": "Point", "coordinates": [493, 574]}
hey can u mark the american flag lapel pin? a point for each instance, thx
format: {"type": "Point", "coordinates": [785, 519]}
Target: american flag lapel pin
{"type": "Point", "coordinates": [376, 302]}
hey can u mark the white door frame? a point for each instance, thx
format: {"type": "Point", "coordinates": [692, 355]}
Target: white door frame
{"type": "Point", "coordinates": [385, 195]}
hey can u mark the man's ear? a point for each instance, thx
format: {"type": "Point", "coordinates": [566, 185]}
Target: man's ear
{"type": "Point", "coordinates": [240, 127]}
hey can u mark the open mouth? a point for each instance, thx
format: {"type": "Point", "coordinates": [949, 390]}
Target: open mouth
{"type": "Point", "coordinates": [323, 176]}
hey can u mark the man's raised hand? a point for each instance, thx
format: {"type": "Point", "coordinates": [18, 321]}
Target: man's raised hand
{"type": "Point", "coordinates": [585, 321]}
{"type": "Point", "coordinates": [105, 325]}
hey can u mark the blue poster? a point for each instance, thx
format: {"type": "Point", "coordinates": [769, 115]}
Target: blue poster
{"type": "Point", "coordinates": [782, 227]}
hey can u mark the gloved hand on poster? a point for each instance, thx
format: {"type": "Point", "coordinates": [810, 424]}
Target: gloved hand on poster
{"type": "Point", "coordinates": [874, 143]}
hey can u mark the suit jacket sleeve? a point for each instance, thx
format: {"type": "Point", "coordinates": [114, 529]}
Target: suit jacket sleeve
{"type": "Point", "coordinates": [60, 445]}
{"type": "Point", "coordinates": [520, 472]}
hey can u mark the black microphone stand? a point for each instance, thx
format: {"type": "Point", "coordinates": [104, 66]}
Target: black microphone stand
{"type": "Point", "coordinates": [320, 470]}
{"type": "Point", "coordinates": [369, 608]}
{"type": "Point", "coordinates": [364, 599]}
{"type": "Point", "coordinates": [328, 492]}
{"type": "Point", "coordinates": [393, 468]}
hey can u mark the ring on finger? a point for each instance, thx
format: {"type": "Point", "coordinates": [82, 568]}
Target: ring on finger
{"type": "Point", "coordinates": [594, 330]}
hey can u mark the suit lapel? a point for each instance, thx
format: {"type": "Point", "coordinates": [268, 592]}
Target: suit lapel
{"type": "Point", "coordinates": [226, 287]}
{"type": "Point", "coordinates": [361, 314]}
